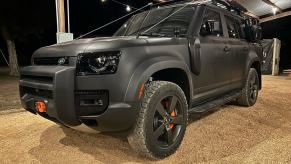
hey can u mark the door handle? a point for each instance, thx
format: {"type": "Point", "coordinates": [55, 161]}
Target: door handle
{"type": "Point", "coordinates": [226, 49]}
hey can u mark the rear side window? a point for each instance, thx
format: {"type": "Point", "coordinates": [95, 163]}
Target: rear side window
{"type": "Point", "coordinates": [235, 28]}
{"type": "Point", "coordinates": [211, 24]}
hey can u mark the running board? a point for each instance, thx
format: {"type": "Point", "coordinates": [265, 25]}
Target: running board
{"type": "Point", "coordinates": [215, 103]}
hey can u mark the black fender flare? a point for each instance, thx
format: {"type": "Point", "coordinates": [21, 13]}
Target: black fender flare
{"type": "Point", "coordinates": [147, 68]}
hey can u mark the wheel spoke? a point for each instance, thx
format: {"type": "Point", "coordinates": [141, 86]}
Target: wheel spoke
{"type": "Point", "coordinates": [170, 136]}
{"type": "Point", "coordinates": [253, 81]}
{"type": "Point", "coordinates": [178, 120]}
{"type": "Point", "coordinates": [173, 104]}
{"type": "Point", "coordinates": [159, 131]}
{"type": "Point", "coordinates": [161, 110]}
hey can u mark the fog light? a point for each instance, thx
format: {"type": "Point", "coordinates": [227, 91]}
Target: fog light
{"type": "Point", "coordinates": [40, 106]}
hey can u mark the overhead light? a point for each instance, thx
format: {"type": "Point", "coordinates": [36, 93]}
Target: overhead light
{"type": "Point", "coordinates": [128, 8]}
{"type": "Point", "coordinates": [274, 9]}
{"type": "Point", "coordinates": [103, 1]}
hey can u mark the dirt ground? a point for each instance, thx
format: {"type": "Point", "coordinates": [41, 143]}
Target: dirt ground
{"type": "Point", "coordinates": [261, 134]}
{"type": "Point", "coordinates": [9, 97]}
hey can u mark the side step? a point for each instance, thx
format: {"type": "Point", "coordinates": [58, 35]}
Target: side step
{"type": "Point", "coordinates": [215, 103]}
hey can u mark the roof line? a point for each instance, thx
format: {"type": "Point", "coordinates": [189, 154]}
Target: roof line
{"type": "Point", "coordinates": [281, 15]}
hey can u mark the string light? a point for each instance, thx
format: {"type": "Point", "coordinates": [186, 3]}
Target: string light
{"type": "Point", "coordinates": [128, 8]}
{"type": "Point", "coordinates": [274, 9]}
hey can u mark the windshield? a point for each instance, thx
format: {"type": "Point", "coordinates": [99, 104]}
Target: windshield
{"type": "Point", "coordinates": [158, 22]}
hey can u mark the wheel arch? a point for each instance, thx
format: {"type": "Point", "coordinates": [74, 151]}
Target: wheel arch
{"type": "Point", "coordinates": [181, 79]}
{"type": "Point", "coordinates": [159, 69]}
{"type": "Point", "coordinates": [257, 65]}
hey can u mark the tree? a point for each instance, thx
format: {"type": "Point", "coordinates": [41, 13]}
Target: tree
{"type": "Point", "coordinates": [21, 19]}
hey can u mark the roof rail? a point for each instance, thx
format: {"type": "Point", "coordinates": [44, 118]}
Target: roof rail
{"type": "Point", "coordinates": [229, 5]}
{"type": "Point", "coordinates": [170, 2]}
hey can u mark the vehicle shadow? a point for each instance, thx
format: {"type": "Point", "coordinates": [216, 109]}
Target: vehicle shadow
{"type": "Point", "coordinates": [59, 140]}
{"type": "Point", "coordinates": [61, 143]}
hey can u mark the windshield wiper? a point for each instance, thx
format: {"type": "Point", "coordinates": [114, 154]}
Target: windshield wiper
{"type": "Point", "coordinates": [152, 34]}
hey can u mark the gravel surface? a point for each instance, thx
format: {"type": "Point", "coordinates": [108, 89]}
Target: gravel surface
{"type": "Point", "coordinates": [231, 134]}
{"type": "Point", "coordinates": [9, 93]}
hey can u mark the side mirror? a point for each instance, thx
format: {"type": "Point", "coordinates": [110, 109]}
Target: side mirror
{"type": "Point", "coordinates": [257, 30]}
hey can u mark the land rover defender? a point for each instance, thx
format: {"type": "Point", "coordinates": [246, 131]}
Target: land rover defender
{"type": "Point", "coordinates": [161, 65]}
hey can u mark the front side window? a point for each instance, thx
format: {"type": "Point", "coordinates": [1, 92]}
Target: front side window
{"type": "Point", "coordinates": [211, 24]}
{"type": "Point", "coordinates": [159, 22]}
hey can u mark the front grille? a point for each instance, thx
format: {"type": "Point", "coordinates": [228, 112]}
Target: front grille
{"type": "Point", "coordinates": [51, 61]}
{"type": "Point", "coordinates": [36, 92]}
{"type": "Point", "coordinates": [90, 102]}
{"type": "Point", "coordinates": [46, 79]}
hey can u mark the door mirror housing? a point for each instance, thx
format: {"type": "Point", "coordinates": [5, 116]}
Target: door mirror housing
{"type": "Point", "coordinates": [257, 32]}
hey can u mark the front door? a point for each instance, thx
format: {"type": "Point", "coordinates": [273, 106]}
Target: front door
{"type": "Point", "coordinates": [214, 72]}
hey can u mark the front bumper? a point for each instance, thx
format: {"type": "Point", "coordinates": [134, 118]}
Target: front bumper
{"type": "Point", "coordinates": [67, 104]}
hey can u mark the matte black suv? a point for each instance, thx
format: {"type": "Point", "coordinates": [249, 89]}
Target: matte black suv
{"type": "Point", "coordinates": [161, 65]}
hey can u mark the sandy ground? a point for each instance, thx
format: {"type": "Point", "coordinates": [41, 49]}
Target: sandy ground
{"type": "Point", "coordinates": [261, 134]}
{"type": "Point", "coordinates": [9, 93]}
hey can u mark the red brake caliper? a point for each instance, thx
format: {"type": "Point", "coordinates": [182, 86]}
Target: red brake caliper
{"type": "Point", "coordinates": [173, 113]}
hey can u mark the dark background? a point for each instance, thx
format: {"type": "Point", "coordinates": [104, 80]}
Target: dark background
{"type": "Point", "coordinates": [32, 24]}
{"type": "Point", "coordinates": [281, 29]}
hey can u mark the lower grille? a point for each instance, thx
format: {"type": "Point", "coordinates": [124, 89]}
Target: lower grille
{"type": "Point", "coordinates": [45, 79]}
{"type": "Point", "coordinates": [91, 102]}
{"type": "Point", "coordinates": [36, 92]}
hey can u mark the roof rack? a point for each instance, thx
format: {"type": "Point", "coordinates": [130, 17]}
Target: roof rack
{"type": "Point", "coordinates": [229, 5]}
{"type": "Point", "coordinates": [170, 2]}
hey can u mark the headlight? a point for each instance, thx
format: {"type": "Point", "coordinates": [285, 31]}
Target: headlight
{"type": "Point", "coordinates": [98, 63]}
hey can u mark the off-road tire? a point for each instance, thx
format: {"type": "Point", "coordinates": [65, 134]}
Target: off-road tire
{"type": "Point", "coordinates": [141, 136]}
{"type": "Point", "coordinates": [250, 91]}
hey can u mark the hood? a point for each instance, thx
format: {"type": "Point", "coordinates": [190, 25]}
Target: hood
{"type": "Point", "coordinates": [75, 47]}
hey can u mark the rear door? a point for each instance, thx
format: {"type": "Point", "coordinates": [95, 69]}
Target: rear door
{"type": "Point", "coordinates": [214, 58]}
{"type": "Point", "coordinates": [239, 48]}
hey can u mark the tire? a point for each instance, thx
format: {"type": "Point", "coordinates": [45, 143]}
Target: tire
{"type": "Point", "coordinates": [251, 89]}
{"type": "Point", "coordinates": [161, 123]}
